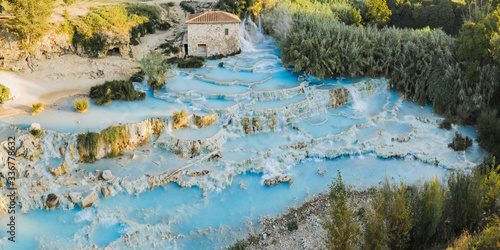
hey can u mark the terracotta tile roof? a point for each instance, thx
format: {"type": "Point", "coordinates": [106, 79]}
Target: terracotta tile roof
{"type": "Point", "coordinates": [213, 17]}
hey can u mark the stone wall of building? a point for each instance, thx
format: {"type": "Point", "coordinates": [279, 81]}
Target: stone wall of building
{"type": "Point", "coordinates": [213, 35]}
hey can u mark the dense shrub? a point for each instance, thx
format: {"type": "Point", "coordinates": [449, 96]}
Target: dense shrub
{"type": "Point", "coordinates": [156, 68]}
{"type": "Point", "coordinates": [187, 62]}
{"type": "Point", "coordinates": [81, 105]}
{"type": "Point", "coordinates": [36, 132]}
{"type": "Point", "coordinates": [137, 77]}
{"type": "Point", "coordinates": [219, 56]}
{"type": "Point", "coordinates": [292, 225]}
{"type": "Point", "coordinates": [341, 223]}
{"type": "Point", "coordinates": [187, 7]}
{"type": "Point", "coordinates": [460, 143]}
{"type": "Point", "coordinates": [115, 90]}
{"type": "Point", "coordinates": [445, 124]}
{"type": "Point", "coordinates": [36, 108]}
{"type": "Point", "coordinates": [169, 49]}
{"type": "Point", "coordinates": [239, 245]}
{"type": "Point", "coordinates": [87, 145]}
{"type": "Point", "coordinates": [4, 93]}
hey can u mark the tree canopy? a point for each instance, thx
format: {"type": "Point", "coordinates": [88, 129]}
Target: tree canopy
{"type": "Point", "coordinates": [31, 20]}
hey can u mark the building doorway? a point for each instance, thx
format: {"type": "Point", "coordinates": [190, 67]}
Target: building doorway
{"type": "Point", "coordinates": [202, 49]}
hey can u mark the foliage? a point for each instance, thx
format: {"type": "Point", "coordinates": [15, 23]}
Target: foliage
{"type": "Point", "coordinates": [398, 215]}
{"type": "Point", "coordinates": [220, 56]}
{"type": "Point", "coordinates": [114, 136]}
{"type": "Point", "coordinates": [150, 26]}
{"type": "Point", "coordinates": [490, 188]}
{"type": "Point", "coordinates": [377, 11]}
{"type": "Point", "coordinates": [462, 204]}
{"type": "Point", "coordinates": [186, 7]}
{"type": "Point", "coordinates": [69, 2]}
{"type": "Point", "coordinates": [341, 223]}
{"type": "Point", "coordinates": [124, 21]}
{"type": "Point", "coordinates": [36, 132]}
{"type": "Point", "coordinates": [81, 105]}
{"type": "Point", "coordinates": [31, 20]}
{"type": "Point", "coordinates": [459, 143]}
{"type": "Point", "coordinates": [137, 77]}
{"type": "Point", "coordinates": [375, 233]}
{"type": "Point", "coordinates": [87, 146]}
{"type": "Point", "coordinates": [260, 5]}
{"type": "Point", "coordinates": [239, 245]}
{"type": "Point", "coordinates": [178, 116]}
{"type": "Point", "coordinates": [236, 7]}
{"type": "Point", "coordinates": [156, 69]}
{"type": "Point", "coordinates": [169, 48]}
{"type": "Point", "coordinates": [489, 238]}
{"type": "Point", "coordinates": [488, 126]}
{"type": "Point", "coordinates": [187, 62]}
{"type": "Point", "coordinates": [418, 14]}
{"type": "Point", "coordinates": [292, 225]}
{"type": "Point", "coordinates": [221, 64]}
{"type": "Point", "coordinates": [428, 209]}
{"type": "Point", "coordinates": [115, 90]}
{"type": "Point", "coordinates": [4, 93]}
{"type": "Point", "coordinates": [445, 124]}
{"type": "Point", "coordinates": [36, 108]}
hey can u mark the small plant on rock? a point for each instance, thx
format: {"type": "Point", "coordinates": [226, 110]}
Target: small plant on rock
{"type": "Point", "coordinates": [81, 105]}
{"type": "Point", "coordinates": [292, 225]}
{"type": "Point", "coordinates": [36, 132]}
{"type": "Point", "coordinates": [36, 108]}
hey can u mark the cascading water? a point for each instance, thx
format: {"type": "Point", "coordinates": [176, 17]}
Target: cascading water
{"type": "Point", "coordinates": [358, 103]}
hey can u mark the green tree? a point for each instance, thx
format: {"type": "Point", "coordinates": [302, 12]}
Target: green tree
{"type": "Point", "coordinates": [463, 203]}
{"type": "Point", "coordinates": [398, 214]}
{"type": "Point", "coordinates": [377, 12]}
{"type": "Point", "coordinates": [154, 66]}
{"type": "Point", "coordinates": [236, 7]}
{"type": "Point", "coordinates": [31, 20]}
{"type": "Point", "coordinates": [375, 234]}
{"type": "Point", "coordinates": [341, 223]}
{"type": "Point", "coordinates": [427, 212]}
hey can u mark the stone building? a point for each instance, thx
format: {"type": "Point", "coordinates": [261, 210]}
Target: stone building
{"type": "Point", "coordinates": [213, 33]}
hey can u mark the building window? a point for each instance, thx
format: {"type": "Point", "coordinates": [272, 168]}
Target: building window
{"type": "Point", "coordinates": [227, 32]}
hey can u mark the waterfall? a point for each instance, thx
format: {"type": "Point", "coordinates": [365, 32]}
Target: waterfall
{"type": "Point", "coordinates": [318, 101]}
{"type": "Point", "coordinates": [249, 35]}
{"type": "Point", "coordinates": [260, 26]}
{"type": "Point", "coordinates": [357, 99]}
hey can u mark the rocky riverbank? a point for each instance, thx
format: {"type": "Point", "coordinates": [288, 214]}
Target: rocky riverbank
{"type": "Point", "coordinates": [309, 235]}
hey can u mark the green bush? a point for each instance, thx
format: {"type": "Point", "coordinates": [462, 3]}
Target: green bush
{"type": "Point", "coordinates": [171, 4]}
{"type": "Point", "coordinates": [4, 94]}
{"type": "Point", "coordinates": [239, 245]}
{"type": "Point", "coordinates": [186, 7]}
{"type": "Point", "coordinates": [36, 132]}
{"type": "Point", "coordinates": [445, 124]}
{"type": "Point", "coordinates": [187, 62]}
{"type": "Point", "coordinates": [156, 68]}
{"type": "Point", "coordinates": [292, 225]}
{"type": "Point", "coordinates": [219, 56]}
{"type": "Point", "coordinates": [221, 64]}
{"type": "Point", "coordinates": [137, 77]}
{"type": "Point", "coordinates": [168, 49]}
{"type": "Point", "coordinates": [115, 90]}
{"type": "Point", "coordinates": [81, 105]}
{"type": "Point", "coordinates": [36, 108]}
{"type": "Point", "coordinates": [87, 145]}
{"type": "Point", "coordinates": [459, 143]}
